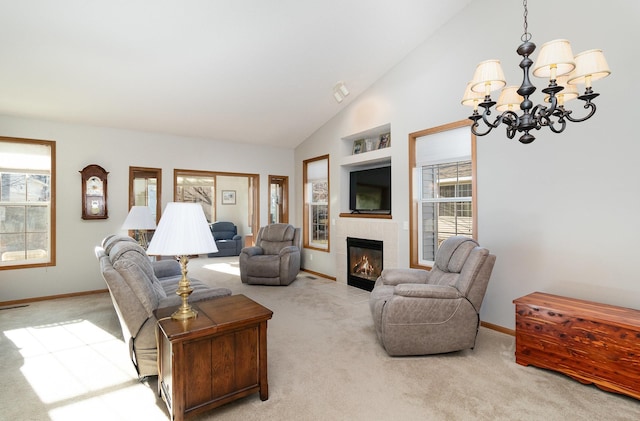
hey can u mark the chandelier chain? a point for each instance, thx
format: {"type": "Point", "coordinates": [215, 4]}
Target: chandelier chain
{"type": "Point", "coordinates": [526, 36]}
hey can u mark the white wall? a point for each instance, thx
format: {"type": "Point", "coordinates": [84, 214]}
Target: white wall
{"type": "Point", "coordinates": [116, 150]}
{"type": "Point", "coordinates": [560, 213]}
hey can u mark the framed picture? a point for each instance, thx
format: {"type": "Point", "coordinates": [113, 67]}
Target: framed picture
{"type": "Point", "coordinates": [228, 197]}
{"type": "Point", "coordinates": [370, 144]}
{"type": "Point", "coordinates": [385, 141]}
{"type": "Point", "coordinates": [358, 146]}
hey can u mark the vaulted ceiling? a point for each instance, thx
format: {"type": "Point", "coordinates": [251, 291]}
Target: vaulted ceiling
{"type": "Point", "coordinates": [251, 71]}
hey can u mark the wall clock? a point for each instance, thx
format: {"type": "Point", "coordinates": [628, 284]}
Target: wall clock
{"type": "Point", "coordinates": [94, 192]}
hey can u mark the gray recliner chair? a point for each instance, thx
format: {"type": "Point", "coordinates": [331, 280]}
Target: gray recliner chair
{"type": "Point", "coordinates": [275, 258]}
{"type": "Point", "coordinates": [419, 312]}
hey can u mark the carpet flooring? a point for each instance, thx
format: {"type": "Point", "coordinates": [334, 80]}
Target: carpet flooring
{"type": "Point", "coordinates": [64, 359]}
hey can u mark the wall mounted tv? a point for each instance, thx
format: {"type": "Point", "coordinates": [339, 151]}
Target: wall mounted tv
{"type": "Point", "coordinates": [370, 190]}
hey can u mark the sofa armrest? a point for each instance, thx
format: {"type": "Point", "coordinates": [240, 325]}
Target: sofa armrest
{"type": "Point", "coordinates": [397, 276]}
{"type": "Point", "coordinates": [288, 250]}
{"type": "Point", "coordinates": [426, 291]}
{"type": "Point", "coordinates": [237, 237]}
{"type": "Point", "coordinates": [252, 251]}
{"type": "Point", "coordinates": [166, 268]}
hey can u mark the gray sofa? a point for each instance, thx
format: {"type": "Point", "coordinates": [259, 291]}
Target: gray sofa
{"type": "Point", "coordinates": [139, 286]}
{"type": "Point", "coordinates": [228, 241]}
{"type": "Point", "coordinates": [419, 312]}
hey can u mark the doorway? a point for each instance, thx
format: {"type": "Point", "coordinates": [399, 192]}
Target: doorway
{"type": "Point", "coordinates": [224, 196]}
{"type": "Point", "coordinates": [278, 199]}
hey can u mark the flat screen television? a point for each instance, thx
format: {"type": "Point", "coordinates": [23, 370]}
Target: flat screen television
{"type": "Point", "coordinates": [370, 190]}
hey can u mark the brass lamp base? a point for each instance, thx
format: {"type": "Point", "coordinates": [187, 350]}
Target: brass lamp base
{"type": "Point", "coordinates": [185, 311]}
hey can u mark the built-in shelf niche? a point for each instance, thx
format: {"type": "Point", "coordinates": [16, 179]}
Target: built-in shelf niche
{"type": "Point", "coordinates": [363, 160]}
{"type": "Point", "coordinates": [370, 157]}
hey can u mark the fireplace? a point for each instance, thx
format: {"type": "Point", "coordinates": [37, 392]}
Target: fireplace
{"type": "Point", "coordinates": [364, 262]}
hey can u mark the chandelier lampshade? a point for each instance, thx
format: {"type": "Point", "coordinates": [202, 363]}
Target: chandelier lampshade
{"type": "Point", "coordinates": [554, 59]}
{"type": "Point", "coordinates": [590, 66]}
{"type": "Point", "coordinates": [471, 98]}
{"type": "Point", "coordinates": [509, 99]}
{"type": "Point", "coordinates": [488, 77]}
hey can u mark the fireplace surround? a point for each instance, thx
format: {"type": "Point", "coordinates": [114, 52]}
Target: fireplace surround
{"type": "Point", "coordinates": [364, 262]}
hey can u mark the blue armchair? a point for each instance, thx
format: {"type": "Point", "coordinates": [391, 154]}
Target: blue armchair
{"type": "Point", "coordinates": [228, 241]}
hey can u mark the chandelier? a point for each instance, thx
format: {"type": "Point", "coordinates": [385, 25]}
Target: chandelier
{"type": "Point", "coordinates": [555, 62]}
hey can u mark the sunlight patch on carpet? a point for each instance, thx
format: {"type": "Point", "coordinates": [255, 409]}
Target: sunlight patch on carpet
{"type": "Point", "coordinates": [229, 268]}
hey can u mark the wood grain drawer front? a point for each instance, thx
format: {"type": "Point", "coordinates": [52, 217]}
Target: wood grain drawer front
{"type": "Point", "coordinates": [221, 365]}
{"type": "Point", "coordinates": [577, 338]}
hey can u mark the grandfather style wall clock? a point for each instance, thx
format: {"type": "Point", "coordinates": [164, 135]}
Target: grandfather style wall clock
{"type": "Point", "coordinates": [94, 192]}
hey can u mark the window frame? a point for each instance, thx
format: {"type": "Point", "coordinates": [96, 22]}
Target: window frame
{"type": "Point", "coordinates": [308, 207]}
{"type": "Point", "coordinates": [415, 196]}
{"type": "Point", "coordinates": [51, 204]}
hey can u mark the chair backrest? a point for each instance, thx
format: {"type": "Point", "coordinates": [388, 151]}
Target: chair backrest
{"type": "Point", "coordinates": [223, 230]}
{"type": "Point", "coordinates": [273, 238]}
{"type": "Point", "coordinates": [460, 263]}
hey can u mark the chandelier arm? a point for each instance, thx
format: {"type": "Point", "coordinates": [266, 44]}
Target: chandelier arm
{"type": "Point", "coordinates": [588, 105]}
{"type": "Point", "coordinates": [487, 104]}
{"type": "Point", "coordinates": [475, 126]}
{"type": "Point", "coordinates": [551, 109]}
{"type": "Point", "coordinates": [561, 121]}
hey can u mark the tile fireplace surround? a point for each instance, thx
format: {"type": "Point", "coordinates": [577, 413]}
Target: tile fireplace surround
{"type": "Point", "coordinates": [371, 229]}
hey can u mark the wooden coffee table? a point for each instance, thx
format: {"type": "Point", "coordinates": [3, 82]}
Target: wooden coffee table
{"type": "Point", "coordinates": [215, 358]}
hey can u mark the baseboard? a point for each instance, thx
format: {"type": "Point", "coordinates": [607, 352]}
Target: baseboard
{"type": "Point", "coordinates": [498, 328]}
{"type": "Point", "coordinates": [50, 297]}
{"type": "Point", "coordinates": [322, 275]}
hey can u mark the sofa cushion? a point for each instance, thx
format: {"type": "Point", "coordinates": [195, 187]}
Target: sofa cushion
{"type": "Point", "coordinates": [223, 230]}
{"type": "Point", "coordinates": [223, 235]}
{"type": "Point", "coordinates": [139, 283]}
{"type": "Point", "coordinates": [275, 237]}
{"type": "Point", "coordinates": [112, 240]}
{"type": "Point", "coordinates": [134, 252]}
{"type": "Point", "coordinates": [266, 266]}
{"type": "Point", "coordinates": [452, 254]}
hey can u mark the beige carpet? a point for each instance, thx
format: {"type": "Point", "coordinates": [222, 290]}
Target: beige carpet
{"type": "Point", "coordinates": [65, 360]}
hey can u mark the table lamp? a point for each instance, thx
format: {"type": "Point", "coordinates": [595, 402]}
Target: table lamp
{"type": "Point", "coordinates": [182, 231]}
{"type": "Point", "coordinates": [140, 220]}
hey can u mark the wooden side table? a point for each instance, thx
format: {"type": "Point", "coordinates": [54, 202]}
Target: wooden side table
{"type": "Point", "coordinates": [215, 358]}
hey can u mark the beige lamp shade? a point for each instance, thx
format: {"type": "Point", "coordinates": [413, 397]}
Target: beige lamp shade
{"type": "Point", "coordinates": [183, 230]}
{"type": "Point", "coordinates": [488, 77]}
{"type": "Point", "coordinates": [470, 98]}
{"type": "Point", "coordinates": [509, 99]}
{"type": "Point", "coordinates": [139, 218]}
{"type": "Point", "coordinates": [590, 65]}
{"type": "Point", "coordinates": [554, 59]}
{"type": "Point", "coordinates": [567, 94]}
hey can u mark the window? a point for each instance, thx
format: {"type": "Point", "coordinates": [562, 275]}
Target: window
{"type": "Point", "coordinates": [192, 186]}
{"type": "Point", "coordinates": [316, 203]}
{"type": "Point", "coordinates": [445, 206]}
{"type": "Point", "coordinates": [27, 198]}
{"type": "Point", "coordinates": [443, 182]}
